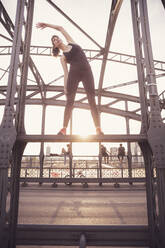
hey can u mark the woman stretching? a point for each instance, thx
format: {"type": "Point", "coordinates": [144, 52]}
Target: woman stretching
{"type": "Point", "coordinates": [80, 70]}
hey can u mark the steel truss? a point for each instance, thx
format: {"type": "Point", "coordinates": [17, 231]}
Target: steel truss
{"type": "Point", "coordinates": [13, 137]}
{"type": "Point", "coordinates": [90, 53]}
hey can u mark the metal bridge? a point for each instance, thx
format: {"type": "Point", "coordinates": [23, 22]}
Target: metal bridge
{"type": "Point", "coordinates": [21, 91]}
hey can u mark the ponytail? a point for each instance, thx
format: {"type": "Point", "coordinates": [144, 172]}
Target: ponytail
{"type": "Point", "coordinates": [55, 51]}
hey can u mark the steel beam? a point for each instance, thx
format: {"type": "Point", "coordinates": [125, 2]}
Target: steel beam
{"type": "Point", "coordinates": [7, 128]}
{"type": "Point", "coordinates": [163, 2]}
{"type": "Point", "coordinates": [108, 94]}
{"type": "Point", "coordinates": [9, 26]}
{"type": "Point", "coordinates": [17, 148]}
{"type": "Point", "coordinates": [78, 138]}
{"type": "Point", "coordinates": [103, 109]}
{"type": "Point", "coordinates": [152, 125]}
{"type": "Point", "coordinates": [95, 235]}
{"type": "Point", "coordinates": [6, 21]}
{"type": "Point", "coordinates": [115, 7]}
{"type": "Point", "coordinates": [70, 20]}
{"type": "Point", "coordinates": [138, 40]}
{"type": "Point", "coordinates": [41, 156]}
{"type": "Point", "coordinates": [156, 132]}
{"type": "Point", "coordinates": [82, 180]}
{"type": "Point", "coordinates": [55, 102]}
{"type": "Point", "coordinates": [90, 53]}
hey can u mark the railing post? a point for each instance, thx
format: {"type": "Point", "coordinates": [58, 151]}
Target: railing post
{"type": "Point", "coordinates": [100, 167]}
{"type": "Point", "coordinates": [41, 158]}
{"type": "Point", "coordinates": [70, 166]}
{"type": "Point", "coordinates": [83, 242]}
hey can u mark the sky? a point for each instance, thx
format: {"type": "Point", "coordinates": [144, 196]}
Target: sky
{"type": "Point", "coordinates": [92, 16]}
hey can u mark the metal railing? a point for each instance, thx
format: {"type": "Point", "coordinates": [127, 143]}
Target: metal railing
{"type": "Point", "coordinates": [81, 169]}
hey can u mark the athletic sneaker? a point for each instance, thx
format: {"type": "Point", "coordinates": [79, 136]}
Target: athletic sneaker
{"type": "Point", "coordinates": [98, 131]}
{"type": "Point", "coordinates": [62, 131]}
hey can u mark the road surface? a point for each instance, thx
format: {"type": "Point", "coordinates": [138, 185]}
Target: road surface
{"type": "Point", "coordinates": [92, 206]}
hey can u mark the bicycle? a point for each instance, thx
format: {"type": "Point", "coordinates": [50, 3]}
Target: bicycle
{"type": "Point", "coordinates": [79, 174]}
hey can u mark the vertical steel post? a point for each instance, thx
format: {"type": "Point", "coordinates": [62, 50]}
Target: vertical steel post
{"type": "Point", "coordinates": [156, 132]}
{"type": "Point", "coordinates": [144, 115]}
{"type": "Point", "coordinates": [19, 147]}
{"type": "Point", "coordinates": [129, 155]}
{"type": "Point", "coordinates": [7, 129]}
{"type": "Point", "coordinates": [41, 157]}
{"type": "Point", "coordinates": [71, 174]}
{"type": "Point", "coordinates": [154, 128]}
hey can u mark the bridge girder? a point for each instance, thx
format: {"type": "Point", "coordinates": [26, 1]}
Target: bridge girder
{"type": "Point", "coordinates": [151, 140]}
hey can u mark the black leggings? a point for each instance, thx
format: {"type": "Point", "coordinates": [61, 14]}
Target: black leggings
{"type": "Point", "coordinates": [74, 77]}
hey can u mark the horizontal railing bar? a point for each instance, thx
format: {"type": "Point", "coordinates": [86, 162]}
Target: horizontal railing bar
{"type": "Point", "coordinates": [79, 167]}
{"type": "Point", "coordinates": [78, 138]}
{"type": "Point", "coordinates": [82, 180]}
{"type": "Point", "coordinates": [102, 235]}
{"type": "Point", "coordinates": [75, 156]}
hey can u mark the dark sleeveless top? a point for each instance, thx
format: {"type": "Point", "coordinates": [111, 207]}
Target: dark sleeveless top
{"type": "Point", "coordinates": [77, 58]}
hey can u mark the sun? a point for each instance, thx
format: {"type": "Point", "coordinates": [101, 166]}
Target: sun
{"type": "Point", "coordinates": [83, 123]}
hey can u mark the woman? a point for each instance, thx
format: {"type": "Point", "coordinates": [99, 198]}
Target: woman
{"type": "Point", "coordinates": [80, 70]}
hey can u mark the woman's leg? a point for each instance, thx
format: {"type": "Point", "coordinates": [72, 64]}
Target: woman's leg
{"type": "Point", "coordinates": [88, 82]}
{"type": "Point", "coordinates": [72, 84]}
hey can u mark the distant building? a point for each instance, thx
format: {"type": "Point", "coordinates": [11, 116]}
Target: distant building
{"type": "Point", "coordinates": [48, 150]}
{"type": "Point", "coordinates": [137, 155]}
{"type": "Point", "coordinates": [135, 149]}
{"type": "Point", "coordinates": [114, 151]}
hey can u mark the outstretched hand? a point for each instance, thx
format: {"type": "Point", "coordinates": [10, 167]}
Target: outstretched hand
{"type": "Point", "coordinates": [41, 25]}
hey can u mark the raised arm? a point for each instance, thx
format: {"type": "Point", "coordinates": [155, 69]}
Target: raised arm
{"type": "Point", "coordinates": [43, 25]}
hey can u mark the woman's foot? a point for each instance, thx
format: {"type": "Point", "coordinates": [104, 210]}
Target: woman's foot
{"type": "Point", "coordinates": [98, 131]}
{"type": "Point", "coordinates": [62, 131]}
